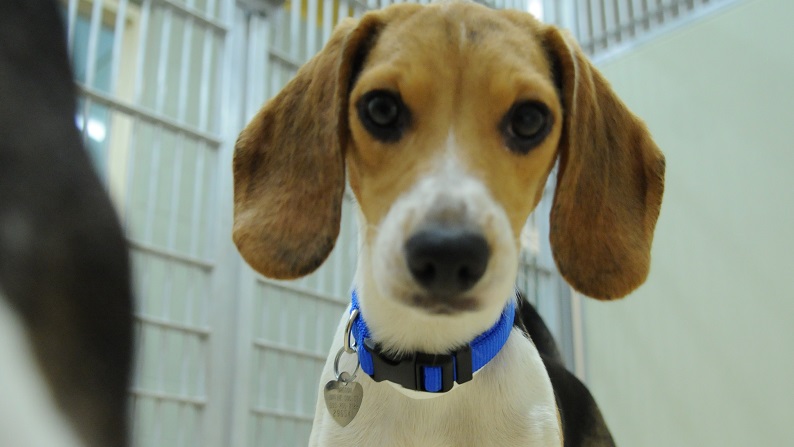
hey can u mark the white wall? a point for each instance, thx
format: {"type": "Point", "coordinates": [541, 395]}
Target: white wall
{"type": "Point", "coordinates": [703, 354]}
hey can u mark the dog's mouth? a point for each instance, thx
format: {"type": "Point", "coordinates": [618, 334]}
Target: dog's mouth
{"type": "Point", "coordinates": [437, 305]}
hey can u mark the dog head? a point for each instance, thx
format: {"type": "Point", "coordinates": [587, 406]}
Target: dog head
{"type": "Point", "coordinates": [449, 119]}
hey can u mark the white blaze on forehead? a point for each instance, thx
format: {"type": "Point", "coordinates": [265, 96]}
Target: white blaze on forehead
{"type": "Point", "coordinates": [450, 165]}
{"type": "Point", "coordinates": [452, 185]}
{"type": "Point", "coordinates": [451, 149]}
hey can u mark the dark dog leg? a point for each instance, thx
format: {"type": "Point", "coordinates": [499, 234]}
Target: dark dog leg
{"type": "Point", "coordinates": [583, 424]}
{"type": "Point", "coordinates": [63, 258]}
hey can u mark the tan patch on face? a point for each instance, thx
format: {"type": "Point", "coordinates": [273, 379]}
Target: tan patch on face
{"type": "Point", "coordinates": [461, 74]}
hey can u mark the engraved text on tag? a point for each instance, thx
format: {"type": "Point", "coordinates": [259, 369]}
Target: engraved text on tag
{"type": "Point", "coordinates": [343, 399]}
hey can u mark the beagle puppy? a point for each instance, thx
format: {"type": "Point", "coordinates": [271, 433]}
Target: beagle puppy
{"type": "Point", "coordinates": [65, 295]}
{"type": "Point", "coordinates": [447, 120]}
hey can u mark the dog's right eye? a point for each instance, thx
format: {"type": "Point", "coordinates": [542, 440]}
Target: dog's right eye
{"type": "Point", "coordinates": [383, 114]}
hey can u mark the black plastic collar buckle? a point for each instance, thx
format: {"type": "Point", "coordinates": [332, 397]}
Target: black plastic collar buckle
{"type": "Point", "coordinates": [408, 371]}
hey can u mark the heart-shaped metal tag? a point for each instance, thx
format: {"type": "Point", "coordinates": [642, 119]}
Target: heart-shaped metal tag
{"type": "Point", "coordinates": [343, 399]}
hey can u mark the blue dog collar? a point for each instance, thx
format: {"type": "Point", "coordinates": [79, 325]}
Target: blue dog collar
{"type": "Point", "coordinates": [433, 373]}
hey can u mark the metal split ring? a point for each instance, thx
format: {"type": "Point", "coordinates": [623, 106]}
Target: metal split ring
{"type": "Point", "coordinates": [338, 374]}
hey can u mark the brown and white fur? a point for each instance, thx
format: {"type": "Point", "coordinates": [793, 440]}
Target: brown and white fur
{"type": "Point", "coordinates": [65, 296]}
{"type": "Point", "coordinates": [451, 162]}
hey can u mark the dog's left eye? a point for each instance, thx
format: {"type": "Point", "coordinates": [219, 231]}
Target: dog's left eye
{"type": "Point", "coordinates": [383, 114]}
{"type": "Point", "coordinates": [526, 125]}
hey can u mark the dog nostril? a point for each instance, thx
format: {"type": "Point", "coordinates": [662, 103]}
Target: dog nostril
{"type": "Point", "coordinates": [424, 273]}
{"type": "Point", "coordinates": [467, 276]}
{"type": "Point", "coordinates": [447, 261]}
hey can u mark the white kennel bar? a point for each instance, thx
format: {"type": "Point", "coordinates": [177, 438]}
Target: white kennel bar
{"type": "Point", "coordinates": [226, 357]}
{"type": "Point", "coordinates": [150, 74]}
{"type": "Point", "coordinates": [605, 25]}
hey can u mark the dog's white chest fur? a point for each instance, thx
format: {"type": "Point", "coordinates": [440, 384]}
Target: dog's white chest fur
{"type": "Point", "coordinates": [510, 402]}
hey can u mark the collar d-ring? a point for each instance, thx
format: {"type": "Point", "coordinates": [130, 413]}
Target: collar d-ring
{"type": "Point", "coordinates": [349, 348]}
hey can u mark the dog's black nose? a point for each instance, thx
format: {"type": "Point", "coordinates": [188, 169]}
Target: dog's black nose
{"type": "Point", "coordinates": [447, 261]}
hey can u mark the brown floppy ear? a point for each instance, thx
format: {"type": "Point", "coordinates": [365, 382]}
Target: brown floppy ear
{"type": "Point", "coordinates": [289, 173]}
{"type": "Point", "coordinates": [609, 185]}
